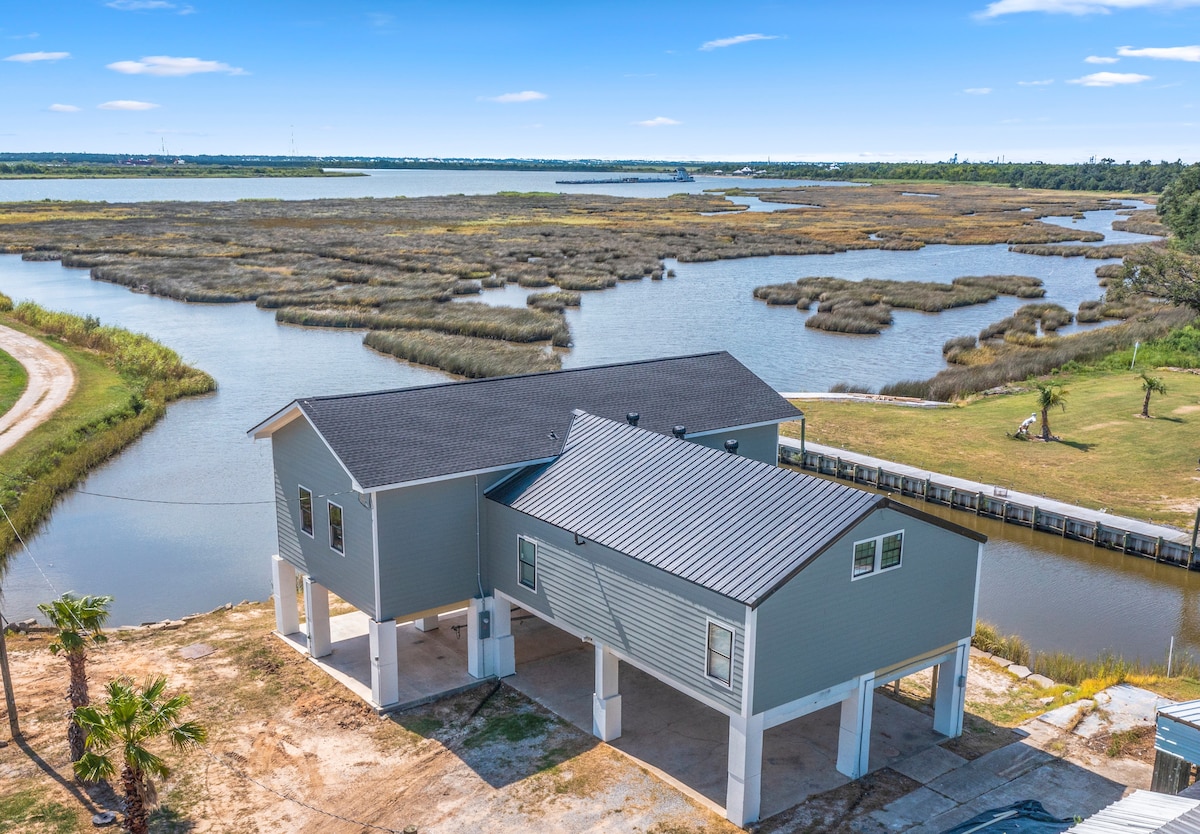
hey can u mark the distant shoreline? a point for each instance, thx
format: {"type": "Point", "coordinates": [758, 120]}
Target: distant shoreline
{"type": "Point", "coordinates": [168, 172]}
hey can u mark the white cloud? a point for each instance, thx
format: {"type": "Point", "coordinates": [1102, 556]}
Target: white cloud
{"type": "Point", "coordinates": [1076, 7]}
{"type": "Point", "coordinates": [1163, 53]}
{"type": "Point", "coordinates": [977, 91]}
{"type": "Point", "coordinates": [139, 5]}
{"type": "Point", "coordinates": [165, 65]}
{"type": "Point", "coordinates": [734, 41]}
{"type": "Point", "coordinates": [124, 104]}
{"type": "Point", "coordinates": [657, 121]}
{"type": "Point", "coordinates": [1100, 59]}
{"type": "Point", "coordinates": [1044, 83]}
{"type": "Point", "coordinates": [1110, 79]}
{"type": "Point", "coordinates": [63, 108]}
{"type": "Point", "coordinates": [516, 98]}
{"type": "Point", "coordinates": [31, 57]}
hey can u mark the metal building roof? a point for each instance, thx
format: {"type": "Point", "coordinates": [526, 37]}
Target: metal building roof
{"type": "Point", "coordinates": [736, 526]}
{"type": "Point", "coordinates": [392, 437]}
{"type": "Point", "coordinates": [1185, 712]}
{"type": "Point", "coordinates": [1143, 812]}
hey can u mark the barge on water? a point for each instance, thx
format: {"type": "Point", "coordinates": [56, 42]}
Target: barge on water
{"type": "Point", "coordinates": [680, 175]}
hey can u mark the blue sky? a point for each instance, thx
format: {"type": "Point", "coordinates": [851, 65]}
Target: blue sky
{"type": "Point", "coordinates": [1052, 80]}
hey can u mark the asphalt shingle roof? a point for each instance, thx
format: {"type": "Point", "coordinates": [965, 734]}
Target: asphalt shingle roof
{"type": "Point", "coordinates": [728, 523]}
{"type": "Point", "coordinates": [393, 437]}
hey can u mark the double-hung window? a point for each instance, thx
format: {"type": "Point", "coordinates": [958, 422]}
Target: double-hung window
{"type": "Point", "coordinates": [306, 511]}
{"type": "Point", "coordinates": [719, 666]}
{"type": "Point", "coordinates": [527, 562]}
{"type": "Point", "coordinates": [878, 554]}
{"type": "Point", "coordinates": [337, 540]}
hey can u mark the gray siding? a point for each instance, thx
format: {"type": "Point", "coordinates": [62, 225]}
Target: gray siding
{"type": "Point", "coordinates": [758, 443]}
{"type": "Point", "coordinates": [428, 544]}
{"type": "Point", "coordinates": [301, 459]}
{"type": "Point", "coordinates": [822, 628]}
{"type": "Point", "coordinates": [647, 614]}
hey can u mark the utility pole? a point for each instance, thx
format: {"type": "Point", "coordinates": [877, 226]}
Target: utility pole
{"type": "Point", "coordinates": [10, 701]}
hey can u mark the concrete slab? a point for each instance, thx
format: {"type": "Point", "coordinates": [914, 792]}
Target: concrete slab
{"type": "Point", "coordinates": [1019, 672]}
{"type": "Point", "coordinates": [1040, 680]}
{"type": "Point", "coordinates": [1119, 708]}
{"type": "Point", "coordinates": [1066, 716]}
{"type": "Point", "coordinates": [989, 772]}
{"type": "Point", "coordinates": [1064, 789]}
{"type": "Point", "coordinates": [929, 764]}
{"type": "Point", "coordinates": [686, 743]}
{"type": "Point", "coordinates": [1001, 662]}
{"type": "Point", "coordinates": [913, 809]}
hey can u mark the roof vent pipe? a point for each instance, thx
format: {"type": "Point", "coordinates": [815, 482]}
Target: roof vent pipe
{"type": "Point", "coordinates": [633, 417]}
{"type": "Point", "coordinates": [679, 431]}
{"type": "Point", "coordinates": [731, 446]}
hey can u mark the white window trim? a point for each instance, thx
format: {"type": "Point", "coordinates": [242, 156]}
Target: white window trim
{"type": "Point", "coordinates": [536, 548]}
{"type": "Point", "coordinates": [709, 621]}
{"type": "Point", "coordinates": [312, 510]}
{"type": "Point", "coordinates": [876, 569]}
{"type": "Point", "coordinates": [329, 520]}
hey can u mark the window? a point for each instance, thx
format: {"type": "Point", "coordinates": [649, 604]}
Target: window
{"type": "Point", "coordinates": [336, 539]}
{"type": "Point", "coordinates": [306, 516]}
{"type": "Point", "coordinates": [878, 554]}
{"type": "Point", "coordinates": [527, 562]}
{"type": "Point", "coordinates": [720, 653]}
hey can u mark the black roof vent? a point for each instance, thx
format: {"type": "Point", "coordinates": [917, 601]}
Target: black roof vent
{"type": "Point", "coordinates": [633, 417]}
{"type": "Point", "coordinates": [731, 446]}
{"type": "Point", "coordinates": [679, 431]}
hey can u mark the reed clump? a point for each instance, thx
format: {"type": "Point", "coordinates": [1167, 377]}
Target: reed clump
{"type": "Point", "coordinates": [553, 302]}
{"type": "Point", "coordinates": [1065, 250]}
{"type": "Point", "coordinates": [463, 355]}
{"type": "Point", "coordinates": [510, 324]}
{"type": "Point", "coordinates": [989, 639]}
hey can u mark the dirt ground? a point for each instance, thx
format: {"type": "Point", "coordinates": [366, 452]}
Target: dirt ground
{"type": "Point", "coordinates": [290, 751]}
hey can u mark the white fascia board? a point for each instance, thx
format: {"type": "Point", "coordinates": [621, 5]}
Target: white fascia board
{"type": "Point", "coordinates": [454, 475]}
{"type": "Point", "coordinates": [739, 428]}
{"type": "Point", "coordinates": [288, 415]}
{"type": "Point", "coordinates": [750, 650]}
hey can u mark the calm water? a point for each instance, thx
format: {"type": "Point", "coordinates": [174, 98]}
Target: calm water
{"type": "Point", "coordinates": [183, 555]}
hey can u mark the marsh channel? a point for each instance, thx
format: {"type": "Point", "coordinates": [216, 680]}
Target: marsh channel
{"type": "Point", "coordinates": [183, 521]}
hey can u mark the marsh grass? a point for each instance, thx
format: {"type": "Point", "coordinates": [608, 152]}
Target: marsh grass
{"type": "Point", "coordinates": [989, 639]}
{"type": "Point", "coordinates": [124, 382]}
{"type": "Point", "coordinates": [1112, 250]}
{"type": "Point", "coordinates": [463, 355]}
{"type": "Point", "coordinates": [553, 302]}
{"type": "Point", "coordinates": [997, 364]}
{"type": "Point", "coordinates": [866, 306]}
{"type": "Point", "coordinates": [461, 319]}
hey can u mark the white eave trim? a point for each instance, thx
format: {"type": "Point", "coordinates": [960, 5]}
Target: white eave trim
{"type": "Point", "coordinates": [775, 422]}
{"type": "Point", "coordinates": [465, 474]}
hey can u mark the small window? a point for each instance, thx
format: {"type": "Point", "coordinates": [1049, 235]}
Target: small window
{"type": "Point", "coordinates": [720, 653]}
{"type": "Point", "coordinates": [864, 557]}
{"type": "Point", "coordinates": [306, 515]}
{"type": "Point", "coordinates": [878, 554]}
{"type": "Point", "coordinates": [527, 563]}
{"type": "Point", "coordinates": [336, 539]}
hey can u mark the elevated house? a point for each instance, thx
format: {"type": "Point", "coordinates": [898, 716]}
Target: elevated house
{"type": "Point", "coordinates": [638, 507]}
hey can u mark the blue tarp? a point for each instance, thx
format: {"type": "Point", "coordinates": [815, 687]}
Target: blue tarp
{"type": "Point", "coordinates": [1028, 817]}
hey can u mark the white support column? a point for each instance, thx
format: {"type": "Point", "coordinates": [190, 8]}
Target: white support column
{"type": "Point", "coordinates": [504, 650]}
{"type": "Point", "coordinates": [744, 793]}
{"type": "Point", "coordinates": [426, 623]}
{"type": "Point", "coordinates": [606, 700]}
{"type": "Point", "coordinates": [950, 696]}
{"type": "Point", "coordinates": [385, 669]}
{"type": "Point", "coordinates": [316, 613]}
{"type": "Point", "coordinates": [479, 640]}
{"type": "Point", "coordinates": [854, 732]}
{"type": "Point", "coordinates": [283, 586]}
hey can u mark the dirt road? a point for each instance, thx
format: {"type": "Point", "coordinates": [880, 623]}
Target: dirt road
{"type": "Point", "coordinates": [51, 380]}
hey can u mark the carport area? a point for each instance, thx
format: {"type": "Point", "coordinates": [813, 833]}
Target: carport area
{"type": "Point", "coordinates": [679, 739]}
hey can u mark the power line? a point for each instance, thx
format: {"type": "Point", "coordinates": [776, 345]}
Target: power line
{"type": "Point", "coordinates": [176, 503]}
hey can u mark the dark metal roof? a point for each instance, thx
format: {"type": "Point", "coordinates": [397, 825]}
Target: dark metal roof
{"type": "Point", "coordinates": [728, 523]}
{"type": "Point", "coordinates": [393, 437]}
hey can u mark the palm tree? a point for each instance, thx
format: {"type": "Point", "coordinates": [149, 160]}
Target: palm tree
{"type": "Point", "coordinates": [117, 735]}
{"type": "Point", "coordinates": [1050, 396]}
{"type": "Point", "coordinates": [79, 621]}
{"type": "Point", "coordinates": [1151, 385]}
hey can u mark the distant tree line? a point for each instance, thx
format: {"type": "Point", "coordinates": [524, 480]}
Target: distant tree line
{"type": "Point", "coordinates": [1105, 175]}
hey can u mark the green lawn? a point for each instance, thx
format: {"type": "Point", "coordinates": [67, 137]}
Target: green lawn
{"type": "Point", "coordinates": [1108, 457]}
{"type": "Point", "coordinates": [13, 380]}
